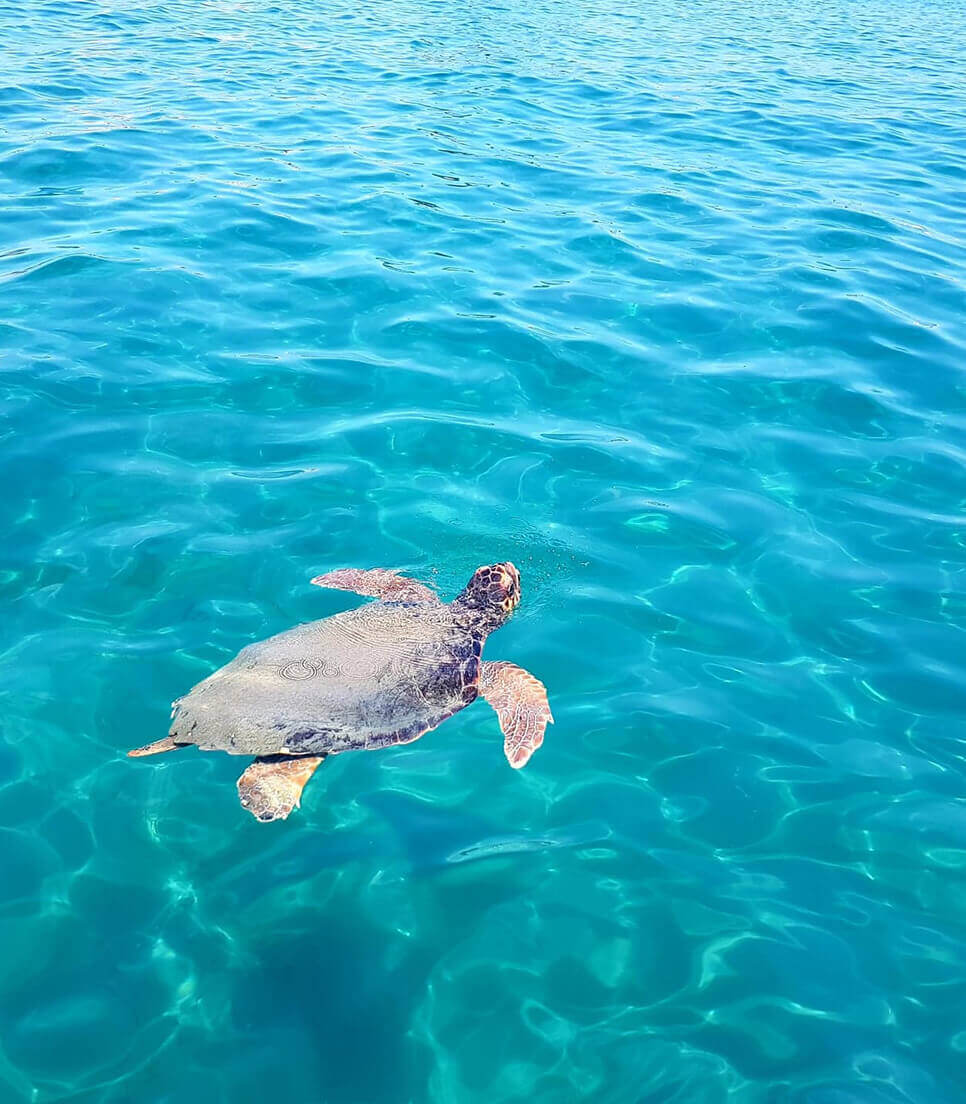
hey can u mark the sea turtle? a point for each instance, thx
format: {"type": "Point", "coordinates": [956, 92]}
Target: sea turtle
{"type": "Point", "coordinates": [381, 674]}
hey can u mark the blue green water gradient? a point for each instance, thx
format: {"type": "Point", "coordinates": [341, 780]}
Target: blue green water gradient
{"type": "Point", "coordinates": [664, 302]}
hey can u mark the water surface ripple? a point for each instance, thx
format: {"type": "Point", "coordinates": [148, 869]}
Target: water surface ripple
{"type": "Point", "coordinates": [666, 304]}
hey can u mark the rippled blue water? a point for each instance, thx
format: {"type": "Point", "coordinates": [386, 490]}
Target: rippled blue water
{"type": "Point", "coordinates": [663, 302]}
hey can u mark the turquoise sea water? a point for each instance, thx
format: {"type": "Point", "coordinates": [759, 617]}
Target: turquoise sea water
{"type": "Point", "coordinates": [663, 302]}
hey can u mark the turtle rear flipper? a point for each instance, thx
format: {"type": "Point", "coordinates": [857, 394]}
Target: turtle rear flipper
{"type": "Point", "coordinates": [520, 701]}
{"type": "Point", "coordinates": [272, 786]}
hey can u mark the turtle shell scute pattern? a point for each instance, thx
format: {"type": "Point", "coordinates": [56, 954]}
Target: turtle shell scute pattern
{"type": "Point", "coordinates": [299, 670]}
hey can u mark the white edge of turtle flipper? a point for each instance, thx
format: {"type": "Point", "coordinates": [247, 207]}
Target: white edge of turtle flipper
{"type": "Point", "coordinates": [521, 704]}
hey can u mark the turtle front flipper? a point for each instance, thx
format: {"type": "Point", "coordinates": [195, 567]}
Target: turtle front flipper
{"type": "Point", "coordinates": [520, 701]}
{"type": "Point", "coordinates": [378, 582]}
{"type": "Point", "coordinates": [272, 786]}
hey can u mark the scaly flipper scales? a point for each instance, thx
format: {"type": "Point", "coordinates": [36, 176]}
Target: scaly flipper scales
{"type": "Point", "coordinates": [272, 786]}
{"type": "Point", "coordinates": [521, 703]}
{"type": "Point", "coordinates": [378, 582]}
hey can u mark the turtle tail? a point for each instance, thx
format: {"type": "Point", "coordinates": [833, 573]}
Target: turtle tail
{"type": "Point", "coordinates": [167, 744]}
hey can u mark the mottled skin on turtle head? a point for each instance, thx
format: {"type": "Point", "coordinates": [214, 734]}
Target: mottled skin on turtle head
{"type": "Point", "coordinates": [488, 598]}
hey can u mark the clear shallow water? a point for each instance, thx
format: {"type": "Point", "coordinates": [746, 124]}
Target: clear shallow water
{"type": "Point", "coordinates": [665, 305]}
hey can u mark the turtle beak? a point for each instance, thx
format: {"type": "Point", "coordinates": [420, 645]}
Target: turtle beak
{"type": "Point", "coordinates": [510, 578]}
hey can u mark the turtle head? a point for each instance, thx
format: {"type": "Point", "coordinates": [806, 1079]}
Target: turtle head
{"type": "Point", "coordinates": [492, 594]}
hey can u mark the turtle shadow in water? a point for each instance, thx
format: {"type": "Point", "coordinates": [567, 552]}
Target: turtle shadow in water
{"type": "Point", "coordinates": [326, 987]}
{"type": "Point", "coordinates": [313, 1009]}
{"type": "Point", "coordinates": [415, 837]}
{"type": "Point", "coordinates": [437, 837]}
